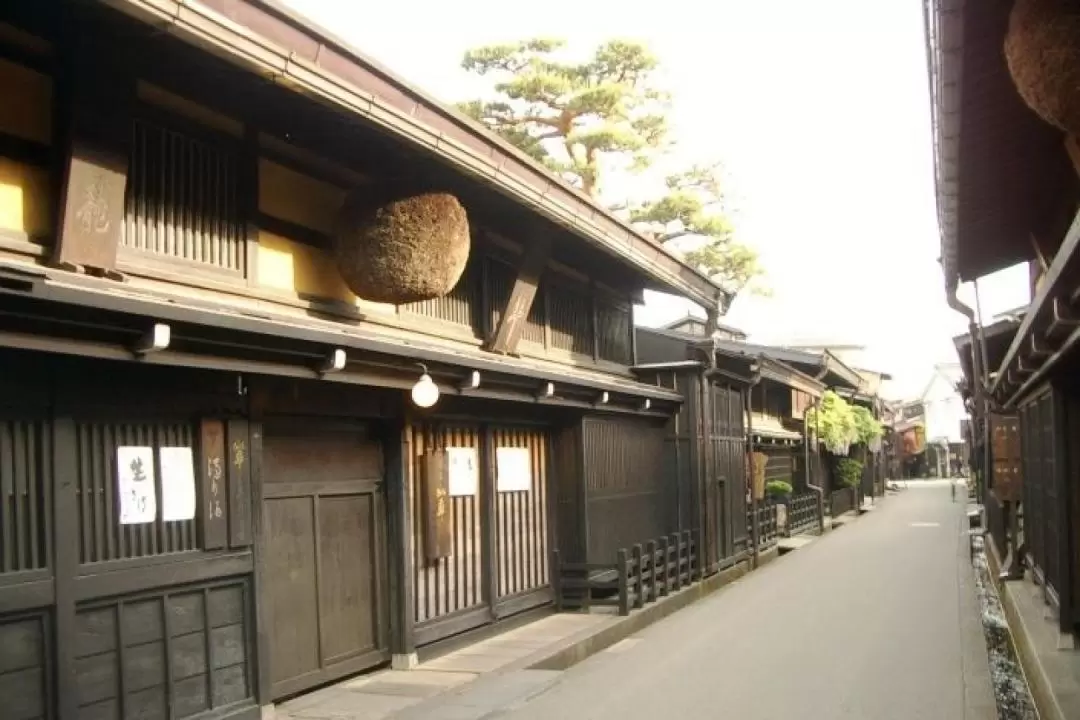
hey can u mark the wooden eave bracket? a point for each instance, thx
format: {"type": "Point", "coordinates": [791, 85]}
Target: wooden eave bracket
{"type": "Point", "coordinates": [1062, 320]}
{"type": "Point", "coordinates": [515, 314]}
{"type": "Point", "coordinates": [1037, 350]}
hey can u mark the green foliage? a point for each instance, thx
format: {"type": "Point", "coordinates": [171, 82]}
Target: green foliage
{"type": "Point", "coordinates": [778, 488]}
{"type": "Point", "coordinates": [694, 207]}
{"type": "Point", "coordinates": [849, 471]}
{"type": "Point", "coordinates": [605, 108]}
{"type": "Point", "coordinates": [583, 118]}
{"type": "Point", "coordinates": [867, 428]}
{"type": "Point", "coordinates": [833, 423]}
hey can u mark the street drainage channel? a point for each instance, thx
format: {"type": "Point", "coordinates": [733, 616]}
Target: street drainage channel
{"type": "Point", "coordinates": [1010, 687]}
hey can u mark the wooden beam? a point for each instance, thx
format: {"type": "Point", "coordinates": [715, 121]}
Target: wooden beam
{"type": "Point", "coordinates": [512, 319]}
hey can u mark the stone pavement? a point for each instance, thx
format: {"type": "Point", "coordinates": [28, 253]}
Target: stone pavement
{"type": "Point", "coordinates": [382, 694]}
{"type": "Point", "coordinates": [876, 621]}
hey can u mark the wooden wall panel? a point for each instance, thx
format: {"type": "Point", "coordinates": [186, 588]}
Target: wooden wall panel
{"type": "Point", "coordinates": [630, 498]}
{"type": "Point", "coordinates": [26, 112]}
{"type": "Point", "coordinates": [25, 667]}
{"type": "Point", "coordinates": [188, 649]}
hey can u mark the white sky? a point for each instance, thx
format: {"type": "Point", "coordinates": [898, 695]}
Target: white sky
{"type": "Point", "coordinates": [820, 113]}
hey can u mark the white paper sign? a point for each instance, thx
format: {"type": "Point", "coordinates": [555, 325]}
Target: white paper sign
{"type": "Point", "coordinates": [135, 483]}
{"type": "Point", "coordinates": [464, 471]}
{"type": "Point", "coordinates": [177, 483]}
{"type": "Point", "coordinates": [513, 469]}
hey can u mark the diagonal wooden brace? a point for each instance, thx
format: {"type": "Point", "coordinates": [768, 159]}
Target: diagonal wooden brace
{"type": "Point", "coordinates": [512, 318]}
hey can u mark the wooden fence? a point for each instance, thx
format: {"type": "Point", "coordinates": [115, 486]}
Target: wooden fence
{"type": "Point", "coordinates": [641, 574]}
{"type": "Point", "coordinates": [803, 514]}
{"type": "Point", "coordinates": [767, 524]}
{"type": "Point", "coordinates": [842, 501]}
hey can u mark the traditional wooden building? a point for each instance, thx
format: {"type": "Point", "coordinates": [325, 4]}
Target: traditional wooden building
{"type": "Point", "coordinates": [693, 325]}
{"type": "Point", "coordinates": [994, 440]}
{"type": "Point", "coordinates": [225, 477]}
{"type": "Point", "coordinates": [1007, 161]}
{"type": "Point", "coordinates": [757, 403]}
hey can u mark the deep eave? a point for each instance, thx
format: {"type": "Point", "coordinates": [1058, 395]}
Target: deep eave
{"type": "Point", "coordinates": [996, 164]}
{"type": "Point", "coordinates": [294, 52]}
{"type": "Point", "coordinates": [822, 366]}
{"type": "Point", "coordinates": [1049, 329]}
{"type": "Point", "coordinates": [788, 376]}
{"type": "Point", "coordinates": [63, 289]}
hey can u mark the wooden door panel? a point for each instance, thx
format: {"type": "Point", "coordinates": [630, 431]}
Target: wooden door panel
{"type": "Point", "coordinates": [347, 588]}
{"type": "Point", "coordinates": [310, 457]}
{"type": "Point", "coordinates": [290, 579]}
{"type": "Point", "coordinates": [520, 522]}
{"type": "Point", "coordinates": [323, 553]}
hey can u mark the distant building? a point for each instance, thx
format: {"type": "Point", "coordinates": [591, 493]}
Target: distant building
{"type": "Point", "coordinates": [691, 325]}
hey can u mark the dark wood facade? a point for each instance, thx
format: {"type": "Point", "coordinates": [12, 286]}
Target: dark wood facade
{"type": "Point", "coordinates": [167, 288]}
{"type": "Point", "coordinates": [1008, 192]}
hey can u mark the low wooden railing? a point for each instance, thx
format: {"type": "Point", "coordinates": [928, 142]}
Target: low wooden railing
{"type": "Point", "coordinates": [995, 522]}
{"type": "Point", "coordinates": [803, 514]}
{"type": "Point", "coordinates": [768, 524]}
{"type": "Point", "coordinates": [842, 501]}
{"type": "Point", "coordinates": [639, 575]}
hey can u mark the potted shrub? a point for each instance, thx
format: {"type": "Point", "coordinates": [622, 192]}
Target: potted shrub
{"type": "Point", "coordinates": [778, 490]}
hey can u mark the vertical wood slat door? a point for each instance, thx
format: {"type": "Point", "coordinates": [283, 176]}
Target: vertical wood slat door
{"type": "Point", "coordinates": [729, 465]}
{"type": "Point", "coordinates": [323, 552]}
{"type": "Point", "coordinates": [25, 549]}
{"type": "Point", "coordinates": [521, 520]}
{"type": "Point", "coordinates": [454, 584]}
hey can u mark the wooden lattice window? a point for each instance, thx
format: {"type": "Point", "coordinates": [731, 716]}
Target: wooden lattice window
{"type": "Point", "coordinates": [181, 198]}
{"type": "Point", "coordinates": [613, 331]}
{"type": "Point", "coordinates": [461, 306]}
{"type": "Point", "coordinates": [23, 496]}
{"type": "Point", "coordinates": [101, 535]}
{"type": "Point", "coordinates": [571, 318]}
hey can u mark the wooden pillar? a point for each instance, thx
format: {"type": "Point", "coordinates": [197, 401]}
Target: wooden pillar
{"type": "Point", "coordinates": [65, 563]}
{"type": "Point", "coordinates": [397, 451]}
{"type": "Point", "coordinates": [263, 677]}
{"type": "Point", "coordinates": [488, 541]}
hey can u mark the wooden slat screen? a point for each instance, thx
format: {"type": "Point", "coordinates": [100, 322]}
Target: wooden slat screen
{"type": "Point", "coordinates": [181, 199]}
{"type": "Point", "coordinates": [102, 537]}
{"type": "Point", "coordinates": [462, 306]}
{"type": "Point", "coordinates": [571, 318]}
{"type": "Point", "coordinates": [729, 448]}
{"type": "Point", "coordinates": [521, 528]}
{"type": "Point", "coordinates": [613, 332]}
{"type": "Point", "coordinates": [455, 582]}
{"type": "Point", "coordinates": [630, 500]}
{"type": "Point", "coordinates": [24, 479]}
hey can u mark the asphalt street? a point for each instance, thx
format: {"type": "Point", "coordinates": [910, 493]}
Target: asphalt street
{"type": "Point", "coordinates": [876, 620]}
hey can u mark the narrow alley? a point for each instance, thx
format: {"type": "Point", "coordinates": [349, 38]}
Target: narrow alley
{"type": "Point", "coordinates": [876, 620]}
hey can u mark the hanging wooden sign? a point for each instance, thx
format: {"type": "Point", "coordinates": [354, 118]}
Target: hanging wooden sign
{"type": "Point", "coordinates": [1007, 480]}
{"type": "Point", "coordinates": [438, 539]}
{"type": "Point", "coordinates": [214, 462]}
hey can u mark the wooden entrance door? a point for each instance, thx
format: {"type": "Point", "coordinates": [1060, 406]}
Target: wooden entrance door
{"type": "Point", "coordinates": [323, 554]}
{"type": "Point", "coordinates": [497, 564]}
